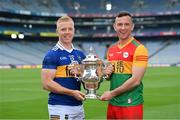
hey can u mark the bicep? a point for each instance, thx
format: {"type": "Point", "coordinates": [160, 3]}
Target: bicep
{"type": "Point", "coordinates": [138, 72]}
{"type": "Point", "coordinates": [140, 61]}
{"type": "Point", "coordinates": [47, 75]}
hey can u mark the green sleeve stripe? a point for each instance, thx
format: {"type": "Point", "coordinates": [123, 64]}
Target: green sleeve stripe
{"type": "Point", "coordinates": [135, 43]}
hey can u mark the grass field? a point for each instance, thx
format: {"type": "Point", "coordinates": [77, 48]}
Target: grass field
{"type": "Point", "coordinates": [21, 95]}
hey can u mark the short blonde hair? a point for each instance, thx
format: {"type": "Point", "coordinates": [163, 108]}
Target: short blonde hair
{"type": "Point", "coordinates": [64, 19]}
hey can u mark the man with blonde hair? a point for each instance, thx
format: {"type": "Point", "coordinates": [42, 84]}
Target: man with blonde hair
{"type": "Point", "coordinates": [65, 97]}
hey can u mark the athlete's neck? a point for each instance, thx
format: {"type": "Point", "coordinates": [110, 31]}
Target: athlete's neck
{"type": "Point", "coordinates": [122, 42]}
{"type": "Point", "coordinates": [68, 46]}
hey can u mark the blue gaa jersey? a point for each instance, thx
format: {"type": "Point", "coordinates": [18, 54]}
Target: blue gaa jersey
{"type": "Point", "coordinates": [59, 58]}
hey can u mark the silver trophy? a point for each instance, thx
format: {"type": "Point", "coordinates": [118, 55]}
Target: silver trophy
{"type": "Point", "coordinates": [91, 74]}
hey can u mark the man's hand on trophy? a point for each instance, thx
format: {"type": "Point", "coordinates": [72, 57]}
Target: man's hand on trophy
{"type": "Point", "coordinates": [106, 96]}
{"type": "Point", "coordinates": [108, 69]}
{"type": "Point", "coordinates": [75, 70]}
{"type": "Point", "coordinates": [78, 95]}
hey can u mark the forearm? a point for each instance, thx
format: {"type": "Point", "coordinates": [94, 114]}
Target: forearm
{"type": "Point", "coordinates": [128, 85]}
{"type": "Point", "coordinates": [135, 80]}
{"type": "Point", "coordinates": [57, 88]}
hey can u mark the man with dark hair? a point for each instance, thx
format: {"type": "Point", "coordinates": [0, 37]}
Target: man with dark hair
{"type": "Point", "coordinates": [129, 58]}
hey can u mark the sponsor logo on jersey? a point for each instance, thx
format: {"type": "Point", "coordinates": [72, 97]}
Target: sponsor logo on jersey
{"type": "Point", "coordinates": [110, 55]}
{"type": "Point", "coordinates": [79, 58]}
{"type": "Point", "coordinates": [119, 52]}
{"type": "Point", "coordinates": [63, 58]}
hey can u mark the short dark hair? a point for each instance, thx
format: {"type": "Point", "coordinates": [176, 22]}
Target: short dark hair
{"type": "Point", "coordinates": [124, 13]}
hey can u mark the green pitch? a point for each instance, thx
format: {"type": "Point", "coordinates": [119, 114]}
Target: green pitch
{"type": "Point", "coordinates": [22, 97]}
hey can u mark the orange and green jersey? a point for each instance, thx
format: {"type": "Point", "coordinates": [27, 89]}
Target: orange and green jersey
{"type": "Point", "coordinates": [133, 53]}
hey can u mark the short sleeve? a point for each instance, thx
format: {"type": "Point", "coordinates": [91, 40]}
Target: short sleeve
{"type": "Point", "coordinates": [50, 61]}
{"type": "Point", "coordinates": [140, 57]}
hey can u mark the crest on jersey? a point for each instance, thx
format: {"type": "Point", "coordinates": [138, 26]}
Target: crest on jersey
{"type": "Point", "coordinates": [125, 54]}
{"type": "Point", "coordinates": [71, 57]}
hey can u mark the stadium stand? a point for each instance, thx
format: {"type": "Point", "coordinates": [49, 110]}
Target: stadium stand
{"type": "Point", "coordinates": [157, 25]}
{"type": "Point", "coordinates": [168, 54]}
{"type": "Point", "coordinates": [15, 52]}
{"type": "Point", "coordinates": [83, 6]}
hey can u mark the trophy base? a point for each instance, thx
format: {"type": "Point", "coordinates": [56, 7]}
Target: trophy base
{"type": "Point", "coordinates": [91, 95]}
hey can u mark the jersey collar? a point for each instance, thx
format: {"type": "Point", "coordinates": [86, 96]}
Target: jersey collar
{"type": "Point", "coordinates": [60, 46]}
{"type": "Point", "coordinates": [130, 39]}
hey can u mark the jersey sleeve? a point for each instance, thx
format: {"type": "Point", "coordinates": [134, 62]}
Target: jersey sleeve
{"type": "Point", "coordinates": [140, 57]}
{"type": "Point", "coordinates": [50, 61]}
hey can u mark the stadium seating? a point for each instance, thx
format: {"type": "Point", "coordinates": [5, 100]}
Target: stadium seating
{"type": "Point", "coordinates": [84, 6]}
{"type": "Point", "coordinates": [33, 52]}
{"type": "Point", "coordinates": [169, 55]}
{"type": "Point", "coordinates": [99, 34]}
{"type": "Point", "coordinates": [23, 52]}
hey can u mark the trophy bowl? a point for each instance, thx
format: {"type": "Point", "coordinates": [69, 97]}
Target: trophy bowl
{"type": "Point", "coordinates": [91, 74]}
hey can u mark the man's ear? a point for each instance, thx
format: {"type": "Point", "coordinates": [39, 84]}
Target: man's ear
{"type": "Point", "coordinates": [132, 28]}
{"type": "Point", "coordinates": [114, 26]}
{"type": "Point", "coordinates": [57, 31]}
